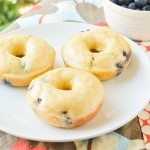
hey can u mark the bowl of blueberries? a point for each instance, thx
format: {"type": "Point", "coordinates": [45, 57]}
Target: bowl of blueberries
{"type": "Point", "coordinates": [129, 17]}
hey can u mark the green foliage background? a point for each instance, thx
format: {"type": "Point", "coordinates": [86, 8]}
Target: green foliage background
{"type": "Point", "coordinates": [10, 11]}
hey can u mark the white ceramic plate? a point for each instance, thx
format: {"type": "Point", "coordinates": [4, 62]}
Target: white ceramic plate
{"type": "Point", "coordinates": [125, 95]}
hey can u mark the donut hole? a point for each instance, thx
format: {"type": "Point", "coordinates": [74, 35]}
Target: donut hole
{"type": "Point", "coordinates": [18, 50]}
{"type": "Point", "coordinates": [20, 56]}
{"type": "Point", "coordinates": [63, 86]}
{"type": "Point", "coordinates": [94, 51]}
{"type": "Point", "coordinates": [66, 88]}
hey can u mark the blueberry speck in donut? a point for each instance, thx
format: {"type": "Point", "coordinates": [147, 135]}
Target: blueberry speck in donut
{"type": "Point", "coordinates": [128, 56]}
{"type": "Point", "coordinates": [30, 87]}
{"type": "Point", "coordinates": [64, 112]}
{"type": "Point", "coordinates": [124, 53]}
{"type": "Point", "coordinates": [5, 81]}
{"type": "Point", "coordinates": [39, 100]}
{"type": "Point", "coordinates": [119, 65]}
{"type": "Point", "coordinates": [119, 72]}
{"type": "Point", "coordinates": [68, 121]}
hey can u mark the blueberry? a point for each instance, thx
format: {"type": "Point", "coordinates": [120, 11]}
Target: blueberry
{"type": "Point", "coordinates": [140, 3]}
{"type": "Point", "coordinates": [132, 6]}
{"type": "Point", "coordinates": [127, 2]}
{"type": "Point", "coordinates": [121, 2]}
{"type": "Point", "coordinates": [146, 8]}
{"type": "Point", "coordinates": [125, 6]}
{"type": "Point", "coordinates": [114, 1]}
{"type": "Point", "coordinates": [148, 2]}
{"type": "Point", "coordinates": [139, 9]}
{"type": "Point", "coordinates": [124, 2]}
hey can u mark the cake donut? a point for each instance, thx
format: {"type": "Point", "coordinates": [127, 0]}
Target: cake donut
{"type": "Point", "coordinates": [66, 97]}
{"type": "Point", "coordinates": [24, 57]}
{"type": "Point", "coordinates": [100, 51]}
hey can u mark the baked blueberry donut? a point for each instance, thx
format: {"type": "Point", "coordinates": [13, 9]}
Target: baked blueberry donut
{"type": "Point", "coordinates": [100, 51]}
{"type": "Point", "coordinates": [66, 97]}
{"type": "Point", "coordinates": [24, 57]}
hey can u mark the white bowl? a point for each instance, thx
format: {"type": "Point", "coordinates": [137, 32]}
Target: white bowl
{"type": "Point", "coordinates": [134, 24]}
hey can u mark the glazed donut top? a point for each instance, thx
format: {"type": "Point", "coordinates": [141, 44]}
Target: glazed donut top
{"type": "Point", "coordinates": [99, 49]}
{"type": "Point", "coordinates": [66, 90]}
{"type": "Point", "coordinates": [22, 54]}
